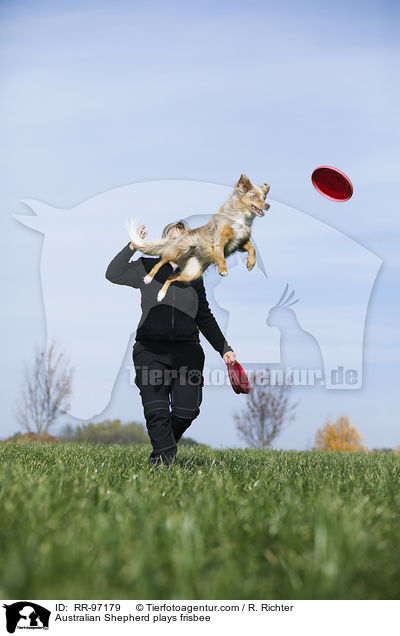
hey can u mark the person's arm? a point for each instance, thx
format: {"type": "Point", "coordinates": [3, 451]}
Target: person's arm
{"type": "Point", "coordinates": [122, 272]}
{"type": "Point", "coordinates": [206, 322]}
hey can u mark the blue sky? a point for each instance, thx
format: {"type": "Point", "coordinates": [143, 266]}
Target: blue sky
{"type": "Point", "coordinates": [98, 95]}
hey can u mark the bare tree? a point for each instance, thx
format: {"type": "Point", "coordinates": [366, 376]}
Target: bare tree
{"type": "Point", "coordinates": [45, 392]}
{"type": "Point", "coordinates": [268, 408]}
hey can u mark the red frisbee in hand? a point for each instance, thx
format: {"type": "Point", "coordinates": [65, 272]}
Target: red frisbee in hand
{"type": "Point", "coordinates": [332, 183]}
{"type": "Point", "coordinates": [239, 380]}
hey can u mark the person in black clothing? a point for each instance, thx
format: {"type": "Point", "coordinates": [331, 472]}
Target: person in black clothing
{"type": "Point", "coordinates": [167, 353]}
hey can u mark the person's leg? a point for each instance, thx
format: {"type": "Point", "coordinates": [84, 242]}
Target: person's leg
{"type": "Point", "coordinates": [186, 389]}
{"type": "Point", "coordinates": [154, 387]}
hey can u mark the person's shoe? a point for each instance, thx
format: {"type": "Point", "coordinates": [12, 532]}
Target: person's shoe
{"type": "Point", "coordinates": [168, 461]}
{"type": "Point", "coordinates": [166, 458]}
{"type": "Point", "coordinates": [155, 461]}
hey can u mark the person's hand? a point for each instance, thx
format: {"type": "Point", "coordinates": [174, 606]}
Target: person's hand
{"type": "Point", "coordinates": [142, 233]}
{"type": "Point", "coordinates": [229, 356]}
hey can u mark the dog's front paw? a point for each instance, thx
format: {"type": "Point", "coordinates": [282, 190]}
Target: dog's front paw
{"type": "Point", "coordinates": [223, 272]}
{"type": "Point", "coordinates": [250, 263]}
{"type": "Point", "coordinates": [147, 279]}
{"type": "Point", "coordinates": [160, 295]}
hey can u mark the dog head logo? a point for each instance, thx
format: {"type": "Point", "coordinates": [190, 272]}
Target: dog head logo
{"type": "Point", "coordinates": [95, 320]}
{"type": "Point", "coordinates": [25, 615]}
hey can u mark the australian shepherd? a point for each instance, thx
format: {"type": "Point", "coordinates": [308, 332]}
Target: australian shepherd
{"type": "Point", "coordinates": [227, 231]}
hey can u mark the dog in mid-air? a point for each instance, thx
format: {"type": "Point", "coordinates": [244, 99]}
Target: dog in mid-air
{"type": "Point", "coordinates": [226, 232]}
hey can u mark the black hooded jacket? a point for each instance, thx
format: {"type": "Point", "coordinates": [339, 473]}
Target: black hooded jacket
{"type": "Point", "coordinates": [180, 315]}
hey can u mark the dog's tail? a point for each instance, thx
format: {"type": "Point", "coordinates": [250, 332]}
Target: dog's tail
{"type": "Point", "coordinates": [146, 246]}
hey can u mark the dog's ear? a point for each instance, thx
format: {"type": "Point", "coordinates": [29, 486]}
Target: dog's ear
{"type": "Point", "coordinates": [244, 184]}
{"type": "Point", "coordinates": [266, 189]}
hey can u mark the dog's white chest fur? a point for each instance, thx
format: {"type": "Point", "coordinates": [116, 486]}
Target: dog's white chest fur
{"type": "Point", "coordinates": [241, 230]}
{"type": "Point", "coordinates": [242, 233]}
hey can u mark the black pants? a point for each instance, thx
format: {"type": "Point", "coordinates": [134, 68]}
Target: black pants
{"type": "Point", "coordinates": [169, 376]}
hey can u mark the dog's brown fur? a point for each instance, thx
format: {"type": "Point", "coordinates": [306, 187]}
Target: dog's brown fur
{"type": "Point", "coordinates": [227, 231]}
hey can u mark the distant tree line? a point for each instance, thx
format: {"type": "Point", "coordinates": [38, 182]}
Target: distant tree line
{"type": "Point", "coordinates": [110, 432]}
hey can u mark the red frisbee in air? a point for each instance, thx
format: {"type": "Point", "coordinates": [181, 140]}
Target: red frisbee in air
{"type": "Point", "coordinates": [239, 380]}
{"type": "Point", "coordinates": [332, 183]}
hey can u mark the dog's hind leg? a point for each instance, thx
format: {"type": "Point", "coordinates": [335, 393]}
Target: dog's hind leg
{"type": "Point", "coordinates": [165, 259]}
{"type": "Point", "coordinates": [251, 255]}
{"type": "Point", "coordinates": [149, 277]}
{"type": "Point", "coordinates": [191, 270]}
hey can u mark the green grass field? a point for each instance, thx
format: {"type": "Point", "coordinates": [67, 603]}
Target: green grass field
{"type": "Point", "coordinates": [96, 522]}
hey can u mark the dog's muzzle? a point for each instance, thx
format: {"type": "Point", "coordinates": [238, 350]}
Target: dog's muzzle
{"type": "Point", "coordinates": [259, 211]}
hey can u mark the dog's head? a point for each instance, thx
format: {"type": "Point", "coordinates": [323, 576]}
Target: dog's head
{"type": "Point", "coordinates": [251, 199]}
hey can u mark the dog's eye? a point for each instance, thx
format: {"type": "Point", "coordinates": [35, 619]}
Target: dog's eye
{"type": "Point", "coordinates": [254, 196]}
